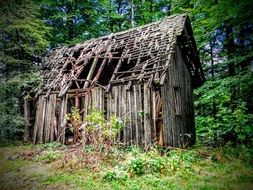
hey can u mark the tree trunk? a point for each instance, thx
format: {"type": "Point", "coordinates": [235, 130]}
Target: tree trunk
{"type": "Point", "coordinates": [230, 47]}
{"type": "Point", "coordinates": [212, 75]}
{"type": "Point", "coordinates": [132, 14]}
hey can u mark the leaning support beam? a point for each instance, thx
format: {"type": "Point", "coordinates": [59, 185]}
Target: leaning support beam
{"type": "Point", "coordinates": [101, 68]}
{"type": "Point", "coordinates": [92, 69]}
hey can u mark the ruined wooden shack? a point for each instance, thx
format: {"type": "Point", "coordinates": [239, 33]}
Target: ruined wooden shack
{"type": "Point", "coordinates": [146, 74]}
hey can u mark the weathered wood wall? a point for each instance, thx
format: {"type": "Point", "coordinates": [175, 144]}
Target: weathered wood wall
{"type": "Point", "coordinates": [151, 115]}
{"type": "Point", "coordinates": [178, 114]}
{"type": "Point", "coordinates": [135, 111]}
{"type": "Point", "coordinates": [51, 112]}
{"type": "Point", "coordinates": [131, 106]}
{"type": "Point", "coordinates": [49, 119]}
{"type": "Point", "coordinates": [136, 108]}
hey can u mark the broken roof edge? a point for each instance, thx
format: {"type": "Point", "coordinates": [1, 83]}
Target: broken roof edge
{"type": "Point", "coordinates": [183, 15]}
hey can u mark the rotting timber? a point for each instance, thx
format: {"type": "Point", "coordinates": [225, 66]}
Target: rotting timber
{"type": "Point", "coordinates": [146, 74]}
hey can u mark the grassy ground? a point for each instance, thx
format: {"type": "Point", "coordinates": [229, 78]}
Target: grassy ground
{"type": "Point", "coordinates": [52, 166]}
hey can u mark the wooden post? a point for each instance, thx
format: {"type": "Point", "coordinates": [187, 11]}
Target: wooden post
{"type": "Point", "coordinates": [147, 117]}
{"type": "Point", "coordinates": [53, 121]}
{"type": "Point", "coordinates": [42, 122]}
{"type": "Point", "coordinates": [62, 120]}
{"type": "Point", "coordinates": [37, 119]}
{"type": "Point", "coordinates": [48, 119]}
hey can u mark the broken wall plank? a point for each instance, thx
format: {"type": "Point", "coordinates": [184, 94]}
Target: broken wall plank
{"type": "Point", "coordinates": [147, 117]}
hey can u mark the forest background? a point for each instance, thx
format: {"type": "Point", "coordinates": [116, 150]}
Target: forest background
{"type": "Point", "coordinates": [223, 30]}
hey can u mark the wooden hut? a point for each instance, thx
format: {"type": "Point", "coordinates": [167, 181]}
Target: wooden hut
{"type": "Point", "coordinates": [146, 74]}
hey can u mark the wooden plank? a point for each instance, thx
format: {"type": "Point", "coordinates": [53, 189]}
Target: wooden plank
{"type": "Point", "coordinates": [87, 102]}
{"type": "Point", "coordinates": [42, 121]}
{"type": "Point", "coordinates": [53, 130]}
{"type": "Point", "coordinates": [90, 74]}
{"type": "Point", "coordinates": [140, 108]}
{"type": "Point", "coordinates": [77, 101]}
{"type": "Point", "coordinates": [136, 123]}
{"type": "Point", "coordinates": [114, 75]}
{"type": "Point", "coordinates": [167, 128]}
{"type": "Point", "coordinates": [112, 101]}
{"type": "Point", "coordinates": [102, 100]}
{"type": "Point", "coordinates": [83, 107]}
{"type": "Point", "coordinates": [37, 119]}
{"type": "Point", "coordinates": [48, 119]}
{"type": "Point", "coordinates": [109, 99]}
{"type": "Point", "coordinates": [154, 116]}
{"type": "Point", "coordinates": [93, 98]}
{"type": "Point", "coordinates": [119, 109]}
{"type": "Point", "coordinates": [133, 110]}
{"type": "Point", "coordinates": [130, 118]}
{"type": "Point", "coordinates": [64, 119]}
{"type": "Point", "coordinates": [60, 130]}
{"type": "Point", "coordinates": [147, 117]}
{"type": "Point", "coordinates": [124, 106]}
{"type": "Point", "coordinates": [101, 68]}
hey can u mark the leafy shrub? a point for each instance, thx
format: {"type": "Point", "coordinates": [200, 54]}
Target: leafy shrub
{"type": "Point", "coordinates": [95, 130]}
{"type": "Point", "coordinates": [136, 166]}
{"type": "Point", "coordinates": [223, 116]}
{"type": "Point", "coordinates": [11, 119]}
{"type": "Point", "coordinates": [138, 163]}
{"type": "Point", "coordinates": [116, 174]}
{"type": "Point", "coordinates": [155, 165]}
{"type": "Point", "coordinates": [74, 122]}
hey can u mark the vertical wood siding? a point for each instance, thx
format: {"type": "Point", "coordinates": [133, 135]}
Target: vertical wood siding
{"type": "Point", "coordinates": [178, 111]}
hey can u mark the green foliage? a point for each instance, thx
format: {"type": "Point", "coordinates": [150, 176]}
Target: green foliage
{"type": "Point", "coordinates": [74, 119]}
{"type": "Point", "coordinates": [48, 156]}
{"type": "Point", "coordinates": [50, 146]}
{"type": "Point", "coordinates": [136, 166]}
{"type": "Point", "coordinates": [231, 119]}
{"type": "Point", "coordinates": [116, 174]}
{"type": "Point", "coordinates": [99, 131]}
{"type": "Point", "coordinates": [11, 118]}
{"type": "Point", "coordinates": [23, 38]}
{"type": "Point", "coordinates": [199, 168]}
{"type": "Point", "coordinates": [95, 130]}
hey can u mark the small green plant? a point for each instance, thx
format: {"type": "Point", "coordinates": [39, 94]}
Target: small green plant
{"type": "Point", "coordinates": [136, 166]}
{"type": "Point", "coordinates": [51, 145]}
{"type": "Point", "coordinates": [155, 165]}
{"type": "Point", "coordinates": [118, 173]}
{"type": "Point", "coordinates": [98, 131]}
{"type": "Point", "coordinates": [74, 122]}
{"type": "Point", "coordinates": [48, 156]}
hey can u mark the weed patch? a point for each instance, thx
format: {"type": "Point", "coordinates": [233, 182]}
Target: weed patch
{"type": "Point", "coordinates": [54, 167]}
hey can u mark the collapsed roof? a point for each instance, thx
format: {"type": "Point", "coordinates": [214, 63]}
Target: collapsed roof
{"type": "Point", "coordinates": [138, 54]}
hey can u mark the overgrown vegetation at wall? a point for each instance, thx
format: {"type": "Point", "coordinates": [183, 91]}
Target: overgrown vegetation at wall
{"type": "Point", "coordinates": [95, 131]}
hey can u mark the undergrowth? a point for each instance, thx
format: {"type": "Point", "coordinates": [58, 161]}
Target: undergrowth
{"type": "Point", "coordinates": [133, 168]}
